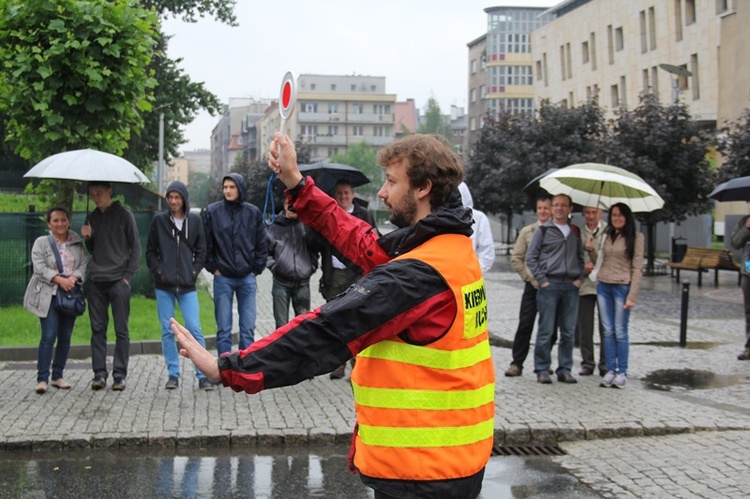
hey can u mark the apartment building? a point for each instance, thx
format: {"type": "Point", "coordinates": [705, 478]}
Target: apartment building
{"type": "Point", "coordinates": [500, 65]}
{"type": "Point", "coordinates": [226, 137]}
{"type": "Point", "coordinates": [614, 51]}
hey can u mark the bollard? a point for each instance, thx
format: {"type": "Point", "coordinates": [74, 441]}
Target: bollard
{"type": "Point", "coordinates": [684, 312]}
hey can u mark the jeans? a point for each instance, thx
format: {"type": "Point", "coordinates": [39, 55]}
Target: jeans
{"type": "Point", "coordinates": [585, 332]}
{"type": "Point", "coordinates": [191, 315]}
{"type": "Point", "coordinates": [745, 281]}
{"type": "Point", "coordinates": [100, 295]}
{"type": "Point", "coordinates": [54, 326]}
{"type": "Point", "coordinates": [558, 301]}
{"type": "Point", "coordinates": [298, 295]}
{"type": "Point", "coordinates": [224, 290]}
{"type": "Point", "coordinates": [611, 298]}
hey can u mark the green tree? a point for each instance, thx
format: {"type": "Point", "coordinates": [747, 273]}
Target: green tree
{"type": "Point", "coordinates": [363, 157]}
{"type": "Point", "coordinates": [735, 147]}
{"type": "Point", "coordinates": [435, 121]}
{"type": "Point", "coordinates": [200, 185]}
{"type": "Point", "coordinates": [75, 75]}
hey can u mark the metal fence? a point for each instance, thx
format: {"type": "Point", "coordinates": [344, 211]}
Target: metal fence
{"type": "Point", "coordinates": [17, 235]}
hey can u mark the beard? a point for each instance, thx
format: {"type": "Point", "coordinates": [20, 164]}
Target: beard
{"type": "Point", "coordinates": [403, 215]}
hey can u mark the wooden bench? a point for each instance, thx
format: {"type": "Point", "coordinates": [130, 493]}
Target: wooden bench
{"type": "Point", "coordinates": [704, 259]}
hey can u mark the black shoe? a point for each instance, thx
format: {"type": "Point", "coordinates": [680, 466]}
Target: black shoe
{"type": "Point", "coordinates": [745, 355]}
{"type": "Point", "coordinates": [543, 378]}
{"type": "Point", "coordinates": [586, 371]}
{"type": "Point", "coordinates": [566, 377]}
{"type": "Point", "coordinates": [118, 385]}
{"type": "Point", "coordinates": [206, 384]}
{"type": "Point", "coordinates": [339, 372]}
{"type": "Point", "coordinates": [172, 383]}
{"type": "Point", "coordinates": [98, 383]}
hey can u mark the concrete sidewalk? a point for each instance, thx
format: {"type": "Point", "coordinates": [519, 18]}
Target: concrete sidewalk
{"type": "Point", "coordinates": [712, 421]}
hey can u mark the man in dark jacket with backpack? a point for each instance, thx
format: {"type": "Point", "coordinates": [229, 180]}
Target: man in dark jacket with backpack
{"type": "Point", "coordinates": [237, 250]}
{"type": "Point", "coordinates": [555, 257]}
{"type": "Point", "coordinates": [176, 253]}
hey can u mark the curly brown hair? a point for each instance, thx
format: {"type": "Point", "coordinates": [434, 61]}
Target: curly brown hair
{"type": "Point", "coordinates": [430, 158]}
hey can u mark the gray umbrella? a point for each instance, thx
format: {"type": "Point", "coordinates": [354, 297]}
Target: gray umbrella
{"type": "Point", "coordinates": [737, 189]}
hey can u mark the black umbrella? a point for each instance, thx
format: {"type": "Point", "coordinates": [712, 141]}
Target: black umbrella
{"type": "Point", "coordinates": [326, 175]}
{"type": "Point", "coordinates": [532, 189]}
{"type": "Point", "coordinates": [737, 189]}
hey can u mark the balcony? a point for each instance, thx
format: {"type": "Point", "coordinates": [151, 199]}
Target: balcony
{"type": "Point", "coordinates": [386, 119]}
{"type": "Point", "coordinates": [313, 117]}
{"type": "Point", "coordinates": [326, 140]}
{"type": "Point", "coordinates": [378, 141]}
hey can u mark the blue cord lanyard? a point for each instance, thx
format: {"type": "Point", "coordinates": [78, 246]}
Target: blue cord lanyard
{"type": "Point", "coordinates": [268, 217]}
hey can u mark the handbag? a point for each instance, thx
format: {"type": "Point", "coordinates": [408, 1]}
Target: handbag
{"type": "Point", "coordinates": [70, 302]}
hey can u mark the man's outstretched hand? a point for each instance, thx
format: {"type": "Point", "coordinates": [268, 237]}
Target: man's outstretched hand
{"type": "Point", "coordinates": [191, 349]}
{"type": "Point", "coordinates": [282, 160]}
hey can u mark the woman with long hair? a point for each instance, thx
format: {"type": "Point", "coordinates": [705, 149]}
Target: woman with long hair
{"type": "Point", "coordinates": [46, 281]}
{"type": "Point", "coordinates": [618, 274]}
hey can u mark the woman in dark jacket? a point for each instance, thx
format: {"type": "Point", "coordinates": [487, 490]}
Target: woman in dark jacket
{"type": "Point", "coordinates": [45, 282]}
{"type": "Point", "coordinates": [176, 253]}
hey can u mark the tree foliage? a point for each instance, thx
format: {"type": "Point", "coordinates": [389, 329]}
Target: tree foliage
{"type": "Point", "coordinates": [668, 149]}
{"type": "Point", "coordinates": [434, 121]}
{"type": "Point", "coordinates": [222, 10]}
{"type": "Point", "coordinates": [735, 147]}
{"type": "Point", "coordinates": [363, 157]}
{"type": "Point", "coordinates": [75, 73]}
{"type": "Point", "coordinates": [514, 149]}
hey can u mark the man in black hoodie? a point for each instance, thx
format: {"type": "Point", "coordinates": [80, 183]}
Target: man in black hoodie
{"type": "Point", "coordinates": [176, 253]}
{"type": "Point", "coordinates": [112, 239]}
{"type": "Point", "coordinates": [236, 252]}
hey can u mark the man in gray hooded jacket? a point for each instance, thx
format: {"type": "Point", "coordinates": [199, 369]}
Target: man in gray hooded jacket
{"type": "Point", "coordinates": [236, 252]}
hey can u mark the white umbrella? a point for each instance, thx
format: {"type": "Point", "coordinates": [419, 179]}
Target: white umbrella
{"type": "Point", "coordinates": [88, 165]}
{"type": "Point", "coordinates": [595, 184]}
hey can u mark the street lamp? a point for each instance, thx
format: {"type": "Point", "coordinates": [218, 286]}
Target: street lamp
{"type": "Point", "coordinates": [160, 167]}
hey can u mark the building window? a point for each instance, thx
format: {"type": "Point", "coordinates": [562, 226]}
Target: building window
{"type": "Point", "coordinates": [678, 19]}
{"type": "Point", "coordinates": [694, 70]}
{"type": "Point", "coordinates": [544, 69]}
{"type": "Point", "coordinates": [644, 35]}
{"type": "Point", "coordinates": [588, 93]}
{"type": "Point", "coordinates": [652, 28]}
{"type": "Point", "coordinates": [382, 108]}
{"type": "Point", "coordinates": [473, 97]}
{"type": "Point", "coordinates": [619, 39]}
{"type": "Point", "coordinates": [482, 91]}
{"type": "Point", "coordinates": [644, 82]}
{"type": "Point", "coordinates": [373, 88]}
{"type": "Point", "coordinates": [472, 124]}
{"type": "Point", "coordinates": [379, 131]}
{"type": "Point", "coordinates": [623, 92]}
{"type": "Point", "coordinates": [592, 42]}
{"type": "Point", "coordinates": [333, 107]}
{"type": "Point", "coordinates": [333, 130]}
{"type": "Point", "coordinates": [655, 81]}
{"type": "Point", "coordinates": [353, 87]}
{"type": "Point", "coordinates": [358, 130]}
{"type": "Point", "coordinates": [358, 109]}
{"type": "Point", "coordinates": [473, 66]}
{"type": "Point", "coordinates": [333, 151]}
{"type": "Point", "coordinates": [309, 107]}
{"type": "Point", "coordinates": [615, 96]}
{"type": "Point", "coordinates": [722, 6]}
{"type": "Point", "coordinates": [312, 86]}
{"type": "Point", "coordinates": [569, 60]}
{"type": "Point", "coordinates": [585, 52]}
{"type": "Point", "coordinates": [309, 130]}
{"type": "Point", "coordinates": [689, 12]}
{"type": "Point", "coordinates": [611, 44]}
{"type": "Point", "coordinates": [562, 62]}
{"type": "Point", "coordinates": [571, 99]}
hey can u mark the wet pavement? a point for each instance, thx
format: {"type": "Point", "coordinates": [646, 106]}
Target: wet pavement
{"type": "Point", "coordinates": [679, 429]}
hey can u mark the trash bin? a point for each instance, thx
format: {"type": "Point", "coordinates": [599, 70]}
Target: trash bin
{"type": "Point", "coordinates": [679, 248]}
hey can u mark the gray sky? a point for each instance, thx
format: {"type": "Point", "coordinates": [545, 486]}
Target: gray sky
{"type": "Point", "coordinates": [418, 45]}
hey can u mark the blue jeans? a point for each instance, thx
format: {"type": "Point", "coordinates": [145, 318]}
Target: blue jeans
{"type": "Point", "coordinates": [299, 296]}
{"type": "Point", "coordinates": [191, 315]}
{"type": "Point", "coordinates": [224, 290]}
{"type": "Point", "coordinates": [558, 300]}
{"type": "Point", "coordinates": [615, 317]}
{"type": "Point", "coordinates": [58, 327]}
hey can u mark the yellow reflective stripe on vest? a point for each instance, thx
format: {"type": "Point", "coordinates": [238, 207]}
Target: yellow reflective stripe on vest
{"type": "Point", "coordinates": [385, 436]}
{"type": "Point", "coordinates": [423, 399]}
{"type": "Point", "coordinates": [428, 357]}
{"type": "Point", "coordinates": [475, 309]}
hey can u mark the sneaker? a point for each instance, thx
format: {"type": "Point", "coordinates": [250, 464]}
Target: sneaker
{"type": "Point", "coordinates": [172, 383]}
{"type": "Point", "coordinates": [543, 378]}
{"type": "Point", "coordinates": [513, 370]}
{"type": "Point", "coordinates": [566, 377]}
{"type": "Point", "coordinates": [206, 384]}
{"type": "Point", "coordinates": [118, 385]}
{"type": "Point", "coordinates": [607, 379]}
{"type": "Point", "coordinates": [620, 380]}
{"type": "Point", "coordinates": [41, 387]}
{"type": "Point", "coordinates": [98, 383]}
{"type": "Point", "coordinates": [61, 384]}
{"type": "Point", "coordinates": [339, 372]}
{"type": "Point", "coordinates": [745, 355]}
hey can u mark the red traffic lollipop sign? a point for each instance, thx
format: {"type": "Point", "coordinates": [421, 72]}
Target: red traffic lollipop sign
{"type": "Point", "coordinates": [287, 97]}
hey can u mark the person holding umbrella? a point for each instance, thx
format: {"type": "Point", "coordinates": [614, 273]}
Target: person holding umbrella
{"type": "Point", "coordinates": [618, 272]}
{"type": "Point", "coordinates": [112, 238]}
{"type": "Point", "coordinates": [46, 281]}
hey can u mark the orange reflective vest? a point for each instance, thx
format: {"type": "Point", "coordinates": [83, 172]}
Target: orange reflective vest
{"type": "Point", "coordinates": [427, 412]}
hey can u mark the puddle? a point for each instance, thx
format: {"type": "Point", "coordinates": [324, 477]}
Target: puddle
{"type": "Point", "coordinates": [691, 345]}
{"type": "Point", "coordinates": [674, 380]}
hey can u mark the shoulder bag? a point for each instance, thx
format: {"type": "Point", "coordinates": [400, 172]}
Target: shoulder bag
{"type": "Point", "coordinates": [67, 302]}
